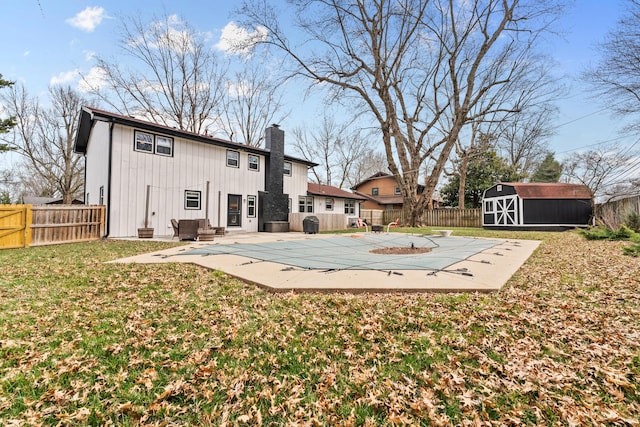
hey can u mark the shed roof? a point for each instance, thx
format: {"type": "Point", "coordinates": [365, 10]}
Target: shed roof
{"type": "Point", "coordinates": [550, 190]}
{"type": "Point", "coordinates": [329, 191]}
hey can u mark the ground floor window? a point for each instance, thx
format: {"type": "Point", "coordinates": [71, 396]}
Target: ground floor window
{"type": "Point", "coordinates": [251, 206]}
{"type": "Point", "coordinates": [192, 199]}
{"type": "Point", "coordinates": [328, 204]}
{"type": "Point", "coordinates": [350, 207]}
{"type": "Point", "coordinates": [305, 204]}
{"type": "Point", "coordinates": [488, 206]}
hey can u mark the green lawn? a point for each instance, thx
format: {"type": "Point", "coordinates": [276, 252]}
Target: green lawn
{"type": "Point", "coordinates": [83, 342]}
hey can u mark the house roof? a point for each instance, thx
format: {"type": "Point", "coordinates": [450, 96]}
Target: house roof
{"type": "Point", "coordinates": [34, 200]}
{"type": "Point", "coordinates": [329, 191]}
{"type": "Point", "coordinates": [550, 190]}
{"type": "Point", "coordinates": [89, 115]}
{"type": "Point", "coordinates": [379, 175]}
{"type": "Point", "coordinates": [382, 200]}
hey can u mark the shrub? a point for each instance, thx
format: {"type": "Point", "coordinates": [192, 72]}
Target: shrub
{"type": "Point", "coordinates": [632, 220]}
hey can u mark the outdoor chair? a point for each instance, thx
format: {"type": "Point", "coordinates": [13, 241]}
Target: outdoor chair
{"type": "Point", "coordinates": [393, 224]}
{"type": "Point", "coordinates": [362, 223]}
{"type": "Point", "coordinates": [176, 229]}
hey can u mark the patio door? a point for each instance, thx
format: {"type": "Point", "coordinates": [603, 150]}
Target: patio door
{"type": "Point", "coordinates": [234, 210]}
{"type": "Point", "coordinates": [507, 211]}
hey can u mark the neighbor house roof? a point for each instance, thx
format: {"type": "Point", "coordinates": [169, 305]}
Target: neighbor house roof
{"type": "Point", "coordinates": [550, 190]}
{"type": "Point", "coordinates": [382, 200]}
{"type": "Point", "coordinates": [379, 175]}
{"type": "Point", "coordinates": [88, 117]}
{"type": "Point", "coordinates": [329, 191]}
{"type": "Point", "coordinates": [34, 200]}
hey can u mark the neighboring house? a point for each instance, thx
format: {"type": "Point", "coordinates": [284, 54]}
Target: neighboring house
{"type": "Point", "coordinates": [382, 192]}
{"type": "Point", "coordinates": [332, 200]}
{"type": "Point", "coordinates": [543, 206]}
{"type": "Point", "coordinates": [184, 176]}
{"type": "Point", "coordinates": [33, 200]}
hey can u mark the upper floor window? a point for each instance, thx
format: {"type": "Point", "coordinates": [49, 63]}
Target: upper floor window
{"type": "Point", "coordinates": [233, 158]}
{"type": "Point", "coordinates": [143, 141]}
{"type": "Point", "coordinates": [396, 191]}
{"type": "Point", "coordinates": [254, 162]}
{"type": "Point", "coordinates": [287, 168]}
{"type": "Point", "coordinates": [164, 145]}
{"type": "Point", "coordinates": [374, 191]}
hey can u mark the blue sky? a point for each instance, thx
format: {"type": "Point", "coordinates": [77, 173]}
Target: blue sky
{"type": "Point", "coordinates": [48, 41]}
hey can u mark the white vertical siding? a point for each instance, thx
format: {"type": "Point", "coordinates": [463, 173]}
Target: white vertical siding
{"type": "Point", "coordinates": [192, 165]}
{"type": "Point", "coordinates": [97, 165]}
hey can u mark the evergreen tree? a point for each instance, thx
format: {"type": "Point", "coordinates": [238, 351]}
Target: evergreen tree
{"type": "Point", "coordinates": [5, 124]}
{"type": "Point", "coordinates": [549, 170]}
{"type": "Point", "coordinates": [483, 171]}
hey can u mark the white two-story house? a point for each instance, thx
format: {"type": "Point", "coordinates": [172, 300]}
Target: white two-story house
{"type": "Point", "coordinates": [147, 174]}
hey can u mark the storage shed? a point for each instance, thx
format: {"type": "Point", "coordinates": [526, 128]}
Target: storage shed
{"type": "Point", "coordinates": [540, 206]}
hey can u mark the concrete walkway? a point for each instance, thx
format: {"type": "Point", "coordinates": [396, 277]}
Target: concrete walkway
{"type": "Point", "coordinates": [485, 271]}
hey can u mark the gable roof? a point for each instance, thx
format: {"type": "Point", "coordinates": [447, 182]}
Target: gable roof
{"type": "Point", "coordinates": [378, 175]}
{"type": "Point", "coordinates": [550, 190]}
{"type": "Point", "coordinates": [383, 200]}
{"type": "Point", "coordinates": [329, 191]}
{"type": "Point", "coordinates": [89, 115]}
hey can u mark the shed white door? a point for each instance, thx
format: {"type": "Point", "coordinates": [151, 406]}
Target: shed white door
{"type": "Point", "coordinates": [506, 211]}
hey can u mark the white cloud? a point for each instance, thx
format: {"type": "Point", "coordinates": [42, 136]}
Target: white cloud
{"type": "Point", "coordinates": [88, 19]}
{"type": "Point", "coordinates": [26, 53]}
{"type": "Point", "coordinates": [89, 55]}
{"type": "Point", "coordinates": [237, 40]}
{"type": "Point", "coordinates": [94, 80]}
{"type": "Point", "coordinates": [64, 77]}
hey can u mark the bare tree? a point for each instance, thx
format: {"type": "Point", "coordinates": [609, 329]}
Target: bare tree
{"type": "Point", "coordinates": [420, 68]}
{"type": "Point", "coordinates": [367, 165]}
{"type": "Point", "coordinates": [522, 139]}
{"type": "Point", "coordinates": [44, 139]}
{"type": "Point", "coordinates": [616, 76]}
{"type": "Point", "coordinates": [253, 101]}
{"type": "Point", "coordinates": [178, 79]}
{"type": "Point", "coordinates": [601, 169]}
{"type": "Point", "coordinates": [336, 148]}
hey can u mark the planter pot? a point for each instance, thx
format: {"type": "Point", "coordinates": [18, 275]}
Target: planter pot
{"type": "Point", "coordinates": [145, 233]}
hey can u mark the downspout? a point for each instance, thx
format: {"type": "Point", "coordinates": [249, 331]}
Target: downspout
{"type": "Point", "coordinates": [111, 124]}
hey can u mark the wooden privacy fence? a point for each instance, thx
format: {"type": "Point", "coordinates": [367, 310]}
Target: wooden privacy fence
{"type": "Point", "coordinates": [440, 217]}
{"type": "Point", "coordinates": [50, 224]}
{"type": "Point", "coordinates": [614, 213]}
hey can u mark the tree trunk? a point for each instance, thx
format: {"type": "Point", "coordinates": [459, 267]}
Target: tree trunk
{"type": "Point", "coordinates": [464, 164]}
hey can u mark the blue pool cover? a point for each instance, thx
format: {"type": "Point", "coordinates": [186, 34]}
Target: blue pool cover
{"type": "Point", "coordinates": [354, 252]}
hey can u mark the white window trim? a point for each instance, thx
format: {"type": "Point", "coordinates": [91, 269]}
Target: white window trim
{"type": "Point", "coordinates": [252, 203]}
{"type": "Point", "coordinates": [158, 144]}
{"type": "Point", "coordinates": [135, 142]}
{"type": "Point", "coordinates": [191, 195]}
{"type": "Point", "coordinates": [289, 171]}
{"type": "Point", "coordinates": [329, 203]}
{"type": "Point", "coordinates": [237, 159]}
{"type": "Point", "coordinates": [257, 162]}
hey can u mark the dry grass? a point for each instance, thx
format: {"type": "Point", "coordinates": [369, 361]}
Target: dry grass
{"type": "Point", "coordinates": [88, 343]}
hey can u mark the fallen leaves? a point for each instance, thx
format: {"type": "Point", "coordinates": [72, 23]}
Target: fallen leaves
{"type": "Point", "coordinates": [176, 344]}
